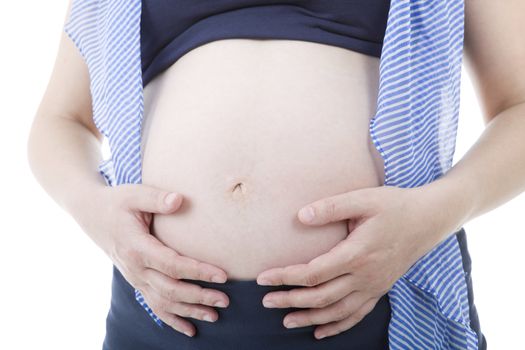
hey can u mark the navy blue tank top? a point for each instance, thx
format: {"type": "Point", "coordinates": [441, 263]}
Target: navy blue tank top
{"type": "Point", "coordinates": [169, 29]}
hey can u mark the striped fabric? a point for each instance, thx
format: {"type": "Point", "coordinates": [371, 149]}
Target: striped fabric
{"type": "Point", "coordinates": [414, 130]}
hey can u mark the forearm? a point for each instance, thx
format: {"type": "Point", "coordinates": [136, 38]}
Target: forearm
{"type": "Point", "coordinates": [63, 156]}
{"type": "Point", "coordinates": [491, 173]}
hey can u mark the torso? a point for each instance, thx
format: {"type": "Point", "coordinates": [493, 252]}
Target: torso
{"type": "Point", "coordinates": [250, 131]}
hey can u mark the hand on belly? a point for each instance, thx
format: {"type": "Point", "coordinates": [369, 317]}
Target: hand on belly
{"type": "Point", "coordinates": [247, 154]}
{"type": "Point", "coordinates": [244, 235]}
{"type": "Point", "coordinates": [247, 224]}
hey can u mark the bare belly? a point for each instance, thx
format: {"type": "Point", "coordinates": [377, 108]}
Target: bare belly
{"type": "Point", "coordinates": [250, 131]}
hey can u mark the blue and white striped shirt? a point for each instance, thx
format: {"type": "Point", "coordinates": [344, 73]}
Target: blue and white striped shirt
{"type": "Point", "coordinates": [414, 129]}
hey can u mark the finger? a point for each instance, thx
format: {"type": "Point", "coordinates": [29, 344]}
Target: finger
{"type": "Point", "coordinates": [180, 291]}
{"type": "Point", "coordinates": [337, 327]}
{"type": "Point", "coordinates": [313, 297]}
{"type": "Point", "coordinates": [351, 225]}
{"type": "Point", "coordinates": [150, 199]}
{"type": "Point", "coordinates": [196, 311]}
{"type": "Point", "coordinates": [166, 260]}
{"type": "Point", "coordinates": [176, 322]}
{"type": "Point", "coordinates": [337, 311]}
{"type": "Point", "coordinates": [337, 261]}
{"type": "Point", "coordinates": [336, 208]}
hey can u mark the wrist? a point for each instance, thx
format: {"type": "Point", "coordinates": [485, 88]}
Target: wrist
{"type": "Point", "coordinates": [450, 201]}
{"type": "Point", "coordinates": [83, 197]}
{"type": "Point", "coordinates": [87, 207]}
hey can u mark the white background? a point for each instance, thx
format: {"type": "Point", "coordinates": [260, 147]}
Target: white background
{"type": "Point", "coordinates": [55, 283]}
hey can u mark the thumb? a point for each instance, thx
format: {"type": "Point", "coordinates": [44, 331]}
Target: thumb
{"type": "Point", "coordinates": [151, 199]}
{"type": "Point", "coordinates": [340, 207]}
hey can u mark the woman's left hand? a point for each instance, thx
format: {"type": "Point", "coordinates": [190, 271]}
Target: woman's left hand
{"type": "Point", "coordinates": [389, 227]}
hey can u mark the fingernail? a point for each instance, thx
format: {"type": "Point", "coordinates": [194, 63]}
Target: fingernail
{"type": "Point", "coordinates": [217, 279]}
{"type": "Point", "coordinates": [307, 214]}
{"type": "Point", "coordinates": [321, 336]}
{"type": "Point", "coordinates": [171, 198]}
{"type": "Point", "coordinates": [264, 282]}
{"type": "Point", "coordinates": [188, 333]}
{"type": "Point", "coordinates": [207, 318]}
{"type": "Point", "coordinates": [219, 303]}
{"type": "Point", "coordinates": [290, 324]}
{"type": "Point", "coordinates": [268, 303]}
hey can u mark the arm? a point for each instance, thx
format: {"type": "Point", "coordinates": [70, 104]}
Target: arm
{"type": "Point", "coordinates": [493, 170]}
{"type": "Point", "coordinates": [64, 152]}
{"type": "Point", "coordinates": [390, 227]}
{"type": "Point", "coordinates": [64, 146]}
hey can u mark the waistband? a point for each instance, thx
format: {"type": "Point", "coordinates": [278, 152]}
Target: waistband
{"type": "Point", "coordinates": [244, 324]}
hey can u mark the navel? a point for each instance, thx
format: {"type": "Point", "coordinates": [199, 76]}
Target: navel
{"type": "Point", "coordinates": [239, 189]}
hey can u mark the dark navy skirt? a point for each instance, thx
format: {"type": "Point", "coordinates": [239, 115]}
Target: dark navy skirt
{"type": "Point", "coordinates": [244, 324]}
{"type": "Point", "coordinates": [247, 324]}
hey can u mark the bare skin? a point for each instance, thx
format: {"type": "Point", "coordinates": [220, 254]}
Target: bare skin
{"type": "Point", "coordinates": [235, 124]}
{"type": "Point", "coordinates": [346, 282]}
{"type": "Point", "coordinates": [64, 151]}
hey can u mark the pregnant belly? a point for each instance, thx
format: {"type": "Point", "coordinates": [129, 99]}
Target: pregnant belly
{"type": "Point", "coordinates": [250, 131]}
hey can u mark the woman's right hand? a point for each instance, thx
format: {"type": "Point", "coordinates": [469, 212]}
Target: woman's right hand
{"type": "Point", "coordinates": [119, 221]}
